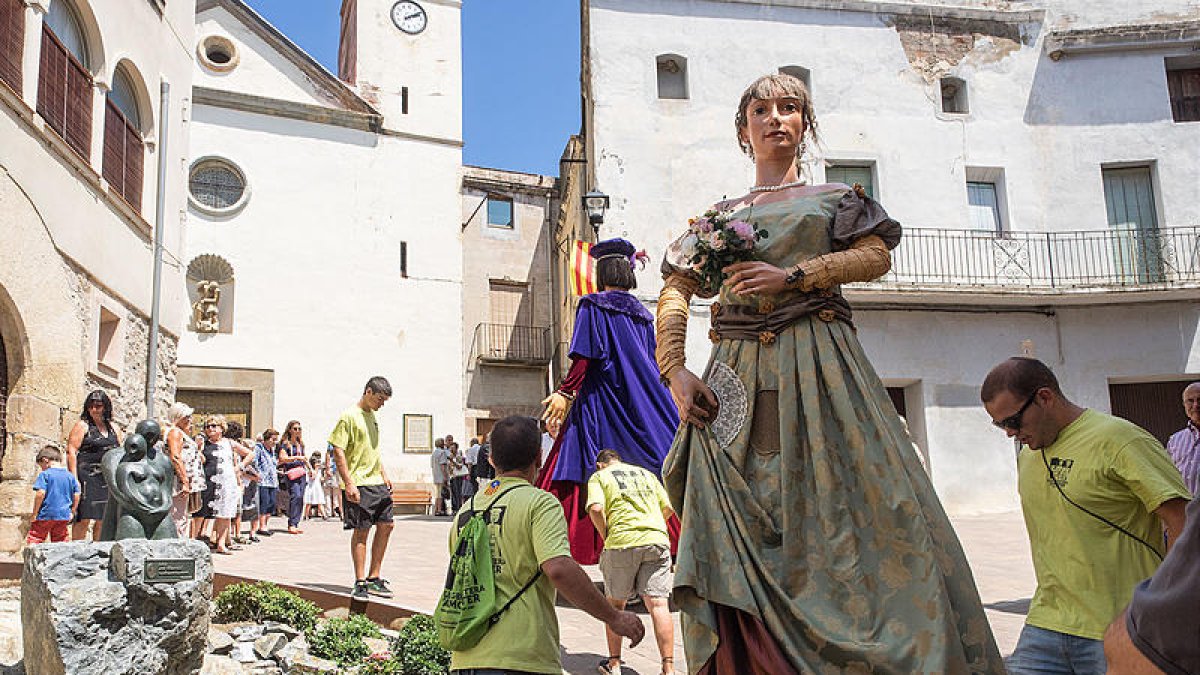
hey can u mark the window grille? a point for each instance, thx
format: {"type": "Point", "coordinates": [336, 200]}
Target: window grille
{"type": "Point", "coordinates": [216, 185]}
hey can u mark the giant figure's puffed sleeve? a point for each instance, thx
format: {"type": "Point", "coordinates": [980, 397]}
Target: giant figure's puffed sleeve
{"type": "Point", "coordinates": [671, 321]}
{"type": "Point", "coordinates": [863, 235]}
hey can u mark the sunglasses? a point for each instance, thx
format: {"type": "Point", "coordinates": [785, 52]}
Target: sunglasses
{"type": "Point", "coordinates": [1013, 421]}
{"type": "Point", "coordinates": [211, 425]}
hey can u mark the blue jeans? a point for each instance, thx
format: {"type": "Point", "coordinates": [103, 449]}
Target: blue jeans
{"type": "Point", "coordinates": [1047, 652]}
{"type": "Point", "coordinates": [296, 500]}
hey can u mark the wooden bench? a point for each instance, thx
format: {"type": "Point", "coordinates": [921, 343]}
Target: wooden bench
{"type": "Point", "coordinates": [405, 497]}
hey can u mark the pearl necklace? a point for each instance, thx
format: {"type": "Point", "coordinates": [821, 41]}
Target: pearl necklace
{"type": "Point", "coordinates": [777, 188]}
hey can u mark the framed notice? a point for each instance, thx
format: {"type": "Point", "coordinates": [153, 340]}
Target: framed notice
{"type": "Point", "coordinates": [418, 433]}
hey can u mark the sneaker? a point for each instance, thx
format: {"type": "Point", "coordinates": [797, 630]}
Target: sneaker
{"type": "Point", "coordinates": [254, 539]}
{"type": "Point", "coordinates": [265, 533]}
{"type": "Point", "coordinates": [379, 587]}
{"type": "Point", "coordinates": [360, 591]}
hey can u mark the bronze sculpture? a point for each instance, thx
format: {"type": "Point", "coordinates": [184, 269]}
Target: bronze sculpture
{"type": "Point", "coordinates": [140, 480]}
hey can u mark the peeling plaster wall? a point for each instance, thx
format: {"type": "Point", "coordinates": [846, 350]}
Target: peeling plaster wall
{"type": "Point", "coordinates": [1051, 126]}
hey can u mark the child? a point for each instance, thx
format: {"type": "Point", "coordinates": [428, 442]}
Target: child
{"type": "Point", "coordinates": [314, 491]}
{"type": "Point", "coordinates": [55, 498]}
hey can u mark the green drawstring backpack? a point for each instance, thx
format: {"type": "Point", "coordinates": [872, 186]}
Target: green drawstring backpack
{"type": "Point", "coordinates": [467, 608]}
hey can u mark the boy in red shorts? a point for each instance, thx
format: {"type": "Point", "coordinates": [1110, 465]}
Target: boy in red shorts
{"type": "Point", "coordinates": [55, 498]}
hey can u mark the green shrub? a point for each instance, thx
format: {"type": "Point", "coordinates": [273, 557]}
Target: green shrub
{"type": "Point", "coordinates": [341, 640]}
{"type": "Point", "coordinates": [264, 601]}
{"type": "Point", "coordinates": [418, 649]}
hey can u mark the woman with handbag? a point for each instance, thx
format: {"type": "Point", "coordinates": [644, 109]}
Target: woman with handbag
{"type": "Point", "coordinates": [293, 462]}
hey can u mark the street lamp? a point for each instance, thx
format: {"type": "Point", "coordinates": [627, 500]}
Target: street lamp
{"type": "Point", "coordinates": [595, 203]}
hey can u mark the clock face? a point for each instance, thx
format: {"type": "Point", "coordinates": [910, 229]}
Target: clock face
{"type": "Point", "coordinates": [409, 17]}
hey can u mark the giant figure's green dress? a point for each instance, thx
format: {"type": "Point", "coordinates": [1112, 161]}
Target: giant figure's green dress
{"type": "Point", "coordinates": [811, 533]}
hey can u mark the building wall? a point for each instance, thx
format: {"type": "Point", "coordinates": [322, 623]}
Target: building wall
{"type": "Point", "coordinates": [320, 299]}
{"type": "Point", "coordinates": [74, 252]}
{"type": "Point", "coordinates": [1051, 126]}
{"type": "Point", "coordinates": [521, 255]}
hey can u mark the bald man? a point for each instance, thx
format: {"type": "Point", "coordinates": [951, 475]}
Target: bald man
{"type": "Point", "coordinates": [1184, 446]}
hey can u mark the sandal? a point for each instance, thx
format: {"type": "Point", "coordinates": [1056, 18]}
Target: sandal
{"type": "Point", "coordinates": [221, 551]}
{"type": "Point", "coordinates": [606, 668]}
{"type": "Point", "coordinates": [668, 670]}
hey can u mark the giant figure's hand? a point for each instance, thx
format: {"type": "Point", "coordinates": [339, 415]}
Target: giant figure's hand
{"type": "Point", "coordinates": [696, 402]}
{"type": "Point", "coordinates": [755, 278]}
{"type": "Point", "coordinates": [556, 408]}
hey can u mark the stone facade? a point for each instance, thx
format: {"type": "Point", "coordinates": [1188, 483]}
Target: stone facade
{"type": "Point", "coordinates": [77, 266]}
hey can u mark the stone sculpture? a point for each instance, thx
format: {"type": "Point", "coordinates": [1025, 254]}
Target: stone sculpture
{"type": "Point", "coordinates": [140, 481]}
{"type": "Point", "coordinates": [205, 312]}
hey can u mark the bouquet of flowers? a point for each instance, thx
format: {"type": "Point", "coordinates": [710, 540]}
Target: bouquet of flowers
{"type": "Point", "coordinates": [721, 241]}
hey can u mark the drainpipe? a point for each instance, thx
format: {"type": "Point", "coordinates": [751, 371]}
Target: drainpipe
{"type": "Point", "coordinates": [164, 106]}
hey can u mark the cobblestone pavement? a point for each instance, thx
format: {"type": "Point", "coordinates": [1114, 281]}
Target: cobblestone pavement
{"type": "Point", "coordinates": [417, 556]}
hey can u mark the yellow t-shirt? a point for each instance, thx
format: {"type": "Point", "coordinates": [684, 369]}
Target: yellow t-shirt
{"type": "Point", "coordinates": [357, 434]}
{"type": "Point", "coordinates": [1086, 570]}
{"type": "Point", "coordinates": [527, 528]}
{"type": "Point", "coordinates": [633, 500]}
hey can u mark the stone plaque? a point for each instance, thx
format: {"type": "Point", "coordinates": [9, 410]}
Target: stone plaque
{"type": "Point", "coordinates": [169, 570]}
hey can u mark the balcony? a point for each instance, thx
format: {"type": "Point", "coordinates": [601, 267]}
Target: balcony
{"type": "Point", "coordinates": [943, 263]}
{"type": "Point", "coordinates": [509, 345]}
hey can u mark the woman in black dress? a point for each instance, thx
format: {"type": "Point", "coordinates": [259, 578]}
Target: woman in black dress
{"type": "Point", "coordinates": [91, 437]}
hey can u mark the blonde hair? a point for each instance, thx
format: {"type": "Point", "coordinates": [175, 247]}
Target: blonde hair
{"type": "Point", "coordinates": [178, 411]}
{"type": "Point", "coordinates": [777, 85]}
{"type": "Point", "coordinates": [218, 420]}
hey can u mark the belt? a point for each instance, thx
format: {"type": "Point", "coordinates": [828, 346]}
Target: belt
{"type": "Point", "coordinates": [766, 320]}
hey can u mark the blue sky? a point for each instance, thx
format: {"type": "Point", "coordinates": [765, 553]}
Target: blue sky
{"type": "Point", "coordinates": [520, 73]}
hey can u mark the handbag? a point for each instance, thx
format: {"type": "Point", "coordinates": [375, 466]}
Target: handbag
{"type": "Point", "coordinates": [296, 472]}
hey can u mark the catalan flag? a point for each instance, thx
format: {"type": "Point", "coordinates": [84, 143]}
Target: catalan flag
{"type": "Point", "coordinates": [583, 271]}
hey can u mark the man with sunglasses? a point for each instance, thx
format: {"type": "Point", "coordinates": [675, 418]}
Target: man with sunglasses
{"type": "Point", "coordinates": [1098, 494]}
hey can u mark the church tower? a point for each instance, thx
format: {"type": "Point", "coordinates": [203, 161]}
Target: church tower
{"type": "Point", "coordinates": [405, 58]}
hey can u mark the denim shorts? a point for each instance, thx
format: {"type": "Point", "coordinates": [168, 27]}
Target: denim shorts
{"type": "Point", "coordinates": [1048, 652]}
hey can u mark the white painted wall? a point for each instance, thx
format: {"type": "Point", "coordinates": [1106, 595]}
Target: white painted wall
{"type": "Point", "coordinates": [319, 296]}
{"type": "Point", "coordinates": [1050, 125]}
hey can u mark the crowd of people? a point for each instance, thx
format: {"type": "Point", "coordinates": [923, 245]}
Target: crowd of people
{"type": "Point", "coordinates": [227, 486]}
{"type": "Point", "coordinates": [457, 475]}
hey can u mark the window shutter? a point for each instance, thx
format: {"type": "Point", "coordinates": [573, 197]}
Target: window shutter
{"type": "Point", "coordinates": [79, 107]}
{"type": "Point", "coordinates": [51, 86]}
{"type": "Point", "coordinates": [65, 94]}
{"type": "Point", "coordinates": [113, 161]}
{"type": "Point", "coordinates": [134, 155]}
{"type": "Point", "coordinates": [12, 40]}
{"type": "Point", "coordinates": [123, 155]}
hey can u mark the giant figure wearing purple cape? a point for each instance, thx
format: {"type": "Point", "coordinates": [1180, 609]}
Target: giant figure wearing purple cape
{"type": "Point", "coordinates": [619, 403]}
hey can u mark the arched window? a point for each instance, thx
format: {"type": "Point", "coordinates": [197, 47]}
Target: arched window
{"type": "Point", "coordinates": [800, 73]}
{"type": "Point", "coordinates": [123, 151]}
{"type": "Point", "coordinates": [12, 39]}
{"type": "Point", "coordinates": [64, 83]}
{"type": "Point", "coordinates": [672, 76]}
{"type": "Point", "coordinates": [954, 95]}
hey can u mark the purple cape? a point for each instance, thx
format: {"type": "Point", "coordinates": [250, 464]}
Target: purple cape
{"type": "Point", "coordinates": [622, 405]}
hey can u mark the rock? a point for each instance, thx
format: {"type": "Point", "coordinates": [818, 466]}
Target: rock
{"type": "Point", "coordinates": [262, 668]}
{"type": "Point", "coordinates": [248, 633]}
{"type": "Point", "coordinates": [87, 608]}
{"type": "Point", "coordinates": [307, 664]}
{"type": "Point", "coordinates": [337, 613]}
{"type": "Point", "coordinates": [398, 624]}
{"type": "Point", "coordinates": [281, 628]}
{"type": "Point", "coordinates": [268, 645]}
{"type": "Point", "coordinates": [389, 634]}
{"type": "Point", "coordinates": [219, 641]}
{"type": "Point", "coordinates": [377, 645]}
{"type": "Point", "coordinates": [243, 652]}
{"type": "Point", "coordinates": [215, 664]}
{"type": "Point", "coordinates": [286, 656]}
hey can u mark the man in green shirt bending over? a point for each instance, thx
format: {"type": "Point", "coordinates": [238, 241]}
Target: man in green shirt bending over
{"type": "Point", "coordinates": [366, 488]}
{"type": "Point", "coordinates": [1099, 494]}
{"type": "Point", "coordinates": [629, 508]}
{"type": "Point", "coordinates": [529, 541]}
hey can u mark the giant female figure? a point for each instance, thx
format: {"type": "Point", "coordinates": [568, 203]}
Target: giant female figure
{"type": "Point", "coordinates": [812, 539]}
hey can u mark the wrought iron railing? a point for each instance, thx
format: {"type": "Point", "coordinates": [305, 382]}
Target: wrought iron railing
{"type": "Point", "coordinates": [1049, 260]}
{"type": "Point", "coordinates": [509, 344]}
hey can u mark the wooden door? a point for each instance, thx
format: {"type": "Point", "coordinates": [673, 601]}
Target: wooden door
{"type": "Point", "coordinates": [1129, 200]}
{"type": "Point", "coordinates": [1156, 407]}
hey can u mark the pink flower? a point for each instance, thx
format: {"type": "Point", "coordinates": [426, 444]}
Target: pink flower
{"type": "Point", "coordinates": [744, 230]}
{"type": "Point", "coordinates": [715, 241]}
{"type": "Point", "coordinates": [702, 226]}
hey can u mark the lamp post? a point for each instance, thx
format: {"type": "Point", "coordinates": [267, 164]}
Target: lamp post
{"type": "Point", "coordinates": [595, 203]}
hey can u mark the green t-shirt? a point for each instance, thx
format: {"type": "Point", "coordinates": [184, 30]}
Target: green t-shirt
{"type": "Point", "coordinates": [527, 528]}
{"type": "Point", "coordinates": [1086, 570]}
{"type": "Point", "coordinates": [633, 500]}
{"type": "Point", "coordinates": [357, 434]}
